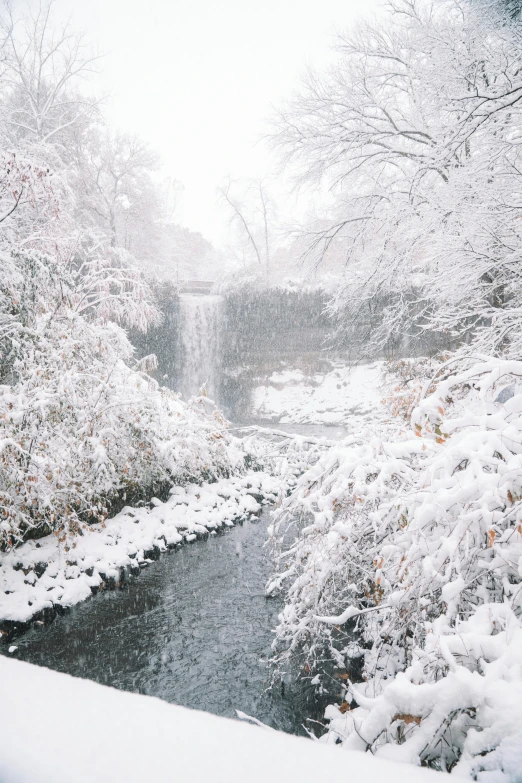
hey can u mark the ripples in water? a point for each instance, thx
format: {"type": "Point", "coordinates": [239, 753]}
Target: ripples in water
{"type": "Point", "coordinates": [194, 628]}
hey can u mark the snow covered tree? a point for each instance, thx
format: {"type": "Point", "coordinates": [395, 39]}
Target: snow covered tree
{"type": "Point", "coordinates": [43, 66]}
{"type": "Point", "coordinates": [118, 195]}
{"type": "Point", "coordinates": [252, 216]}
{"type": "Point", "coordinates": [414, 129]}
{"type": "Point", "coordinates": [82, 425]}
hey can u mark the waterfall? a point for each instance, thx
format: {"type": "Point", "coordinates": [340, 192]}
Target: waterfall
{"type": "Point", "coordinates": [200, 344]}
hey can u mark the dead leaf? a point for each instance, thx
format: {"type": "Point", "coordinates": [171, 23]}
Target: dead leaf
{"type": "Point", "coordinates": [407, 718]}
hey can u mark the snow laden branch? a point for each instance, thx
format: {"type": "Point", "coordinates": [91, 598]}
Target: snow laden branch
{"type": "Point", "coordinates": [405, 580]}
{"type": "Point", "coordinates": [43, 64]}
{"type": "Point", "coordinates": [415, 131]}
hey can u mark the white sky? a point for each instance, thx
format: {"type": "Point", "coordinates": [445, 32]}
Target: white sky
{"type": "Point", "coordinates": [197, 78]}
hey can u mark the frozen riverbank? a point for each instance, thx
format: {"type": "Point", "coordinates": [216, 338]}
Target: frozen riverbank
{"type": "Point", "coordinates": [42, 576]}
{"type": "Point", "coordinates": [341, 396]}
{"type": "Point", "coordinates": [117, 736]}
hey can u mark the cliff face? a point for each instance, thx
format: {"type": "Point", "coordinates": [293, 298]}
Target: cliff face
{"type": "Point", "coordinates": [262, 331]}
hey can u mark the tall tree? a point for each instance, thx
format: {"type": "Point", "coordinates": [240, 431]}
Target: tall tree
{"type": "Point", "coordinates": [118, 193]}
{"type": "Point", "coordinates": [414, 129]}
{"type": "Point", "coordinates": [252, 216]}
{"type": "Point", "coordinates": [43, 66]}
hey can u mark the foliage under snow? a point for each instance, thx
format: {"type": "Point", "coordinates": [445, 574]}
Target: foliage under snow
{"type": "Point", "coordinates": [410, 566]}
{"type": "Point", "coordinates": [80, 428]}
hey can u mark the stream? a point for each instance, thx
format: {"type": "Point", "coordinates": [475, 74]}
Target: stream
{"type": "Point", "coordinates": [194, 628]}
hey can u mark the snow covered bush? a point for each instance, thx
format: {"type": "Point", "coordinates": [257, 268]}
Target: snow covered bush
{"type": "Point", "coordinates": [404, 381]}
{"type": "Point", "coordinates": [80, 428]}
{"type": "Point", "coordinates": [411, 564]}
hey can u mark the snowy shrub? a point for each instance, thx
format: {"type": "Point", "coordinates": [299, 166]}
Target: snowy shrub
{"type": "Point", "coordinates": [405, 379]}
{"type": "Point", "coordinates": [80, 428]}
{"type": "Point", "coordinates": [282, 454]}
{"type": "Point", "coordinates": [411, 564]}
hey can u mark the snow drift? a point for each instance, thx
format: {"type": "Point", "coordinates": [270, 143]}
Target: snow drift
{"type": "Point", "coordinates": [119, 736]}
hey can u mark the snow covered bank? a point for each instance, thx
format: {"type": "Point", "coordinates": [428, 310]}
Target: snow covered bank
{"type": "Point", "coordinates": [291, 397]}
{"type": "Point", "coordinates": [113, 736]}
{"type": "Point", "coordinates": [42, 575]}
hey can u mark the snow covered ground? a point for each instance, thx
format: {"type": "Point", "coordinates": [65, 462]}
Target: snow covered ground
{"type": "Point", "coordinates": [291, 397]}
{"type": "Point", "coordinates": [46, 573]}
{"type": "Point", "coordinates": [58, 729]}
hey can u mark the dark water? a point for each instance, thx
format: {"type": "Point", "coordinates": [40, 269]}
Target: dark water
{"type": "Point", "coordinates": [194, 628]}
